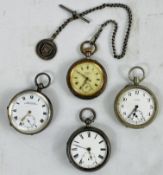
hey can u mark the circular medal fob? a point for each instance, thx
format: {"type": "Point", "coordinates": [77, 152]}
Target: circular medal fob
{"type": "Point", "coordinates": [46, 49]}
{"type": "Point", "coordinates": [31, 111]}
{"type": "Point", "coordinates": [87, 78]}
{"type": "Point", "coordinates": [88, 148]}
{"type": "Point", "coordinates": [135, 105]}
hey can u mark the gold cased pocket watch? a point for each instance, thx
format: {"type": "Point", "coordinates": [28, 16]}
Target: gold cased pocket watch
{"type": "Point", "coordinates": [135, 105]}
{"type": "Point", "coordinates": [87, 78]}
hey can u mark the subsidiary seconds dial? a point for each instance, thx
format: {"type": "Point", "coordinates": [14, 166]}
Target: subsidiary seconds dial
{"type": "Point", "coordinates": [88, 148]}
{"type": "Point", "coordinates": [31, 111]}
{"type": "Point", "coordinates": [136, 105]}
{"type": "Point", "coordinates": [86, 78]}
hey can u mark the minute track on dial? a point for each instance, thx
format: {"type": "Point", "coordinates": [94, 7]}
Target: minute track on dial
{"type": "Point", "coordinates": [84, 147]}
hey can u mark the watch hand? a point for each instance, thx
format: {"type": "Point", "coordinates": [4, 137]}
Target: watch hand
{"type": "Point", "coordinates": [83, 76]}
{"type": "Point", "coordinates": [143, 118]}
{"type": "Point", "coordinates": [136, 116]}
{"type": "Point", "coordinates": [89, 151]}
{"type": "Point", "coordinates": [90, 85]}
{"type": "Point", "coordinates": [85, 81]}
{"type": "Point", "coordinates": [35, 125]}
{"type": "Point", "coordinates": [94, 158]}
{"type": "Point", "coordinates": [23, 118]}
{"type": "Point", "coordinates": [81, 160]}
{"type": "Point", "coordinates": [32, 125]}
{"type": "Point", "coordinates": [28, 114]}
{"type": "Point", "coordinates": [140, 114]}
{"type": "Point", "coordinates": [29, 122]}
{"type": "Point", "coordinates": [134, 110]}
{"type": "Point", "coordinates": [82, 156]}
{"type": "Point", "coordinates": [80, 146]}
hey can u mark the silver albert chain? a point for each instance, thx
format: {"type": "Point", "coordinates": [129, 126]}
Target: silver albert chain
{"type": "Point", "coordinates": [46, 49]}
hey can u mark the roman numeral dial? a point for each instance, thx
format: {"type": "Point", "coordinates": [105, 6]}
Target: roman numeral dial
{"type": "Point", "coordinates": [88, 149]}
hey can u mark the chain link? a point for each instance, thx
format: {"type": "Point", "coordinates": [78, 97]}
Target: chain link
{"type": "Point", "coordinates": [62, 26]}
{"type": "Point", "coordinates": [110, 5]}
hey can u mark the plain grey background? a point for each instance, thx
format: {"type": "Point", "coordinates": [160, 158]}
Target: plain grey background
{"type": "Point", "coordinates": [22, 24]}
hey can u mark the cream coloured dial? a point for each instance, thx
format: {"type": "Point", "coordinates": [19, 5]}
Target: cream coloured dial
{"type": "Point", "coordinates": [87, 78]}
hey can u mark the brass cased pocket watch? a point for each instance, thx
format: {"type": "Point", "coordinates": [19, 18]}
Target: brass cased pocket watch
{"type": "Point", "coordinates": [136, 106]}
{"type": "Point", "coordinates": [31, 111]}
{"type": "Point", "coordinates": [87, 78]}
{"type": "Point", "coordinates": [88, 148]}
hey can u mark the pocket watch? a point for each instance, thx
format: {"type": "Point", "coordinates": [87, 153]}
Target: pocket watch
{"type": "Point", "coordinates": [136, 105]}
{"type": "Point", "coordinates": [31, 111]}
{"type": "Point", "coordinates": [88, 148]}
{"type": "Point", "coordinates": [87, 78]}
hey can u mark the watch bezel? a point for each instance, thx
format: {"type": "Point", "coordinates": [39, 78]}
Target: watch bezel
{"type": "Point", "coordinates": [68, 78]}
{"type": "Point", "coordinates": [77, 132]}
{"type": "Point", "coordinates": [50, 116]}
{"type": "Point", "coordinates": [119, 116]}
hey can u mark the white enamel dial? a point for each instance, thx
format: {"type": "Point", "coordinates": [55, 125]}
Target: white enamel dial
{"type": "Point", "coordinates": [89, 150]}
{"type": "Point", "coordinates": [136, 106]}
{"type": "Point", "coordinates": [29, 112]}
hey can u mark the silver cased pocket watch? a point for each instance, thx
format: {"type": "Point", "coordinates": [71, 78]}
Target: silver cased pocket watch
{"type": "Point", "coordinates": [31, 111]}
{"type": "Point", "coordinates": [88, 148]}
{"type": "Point", "coordinates": [136, 106]}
